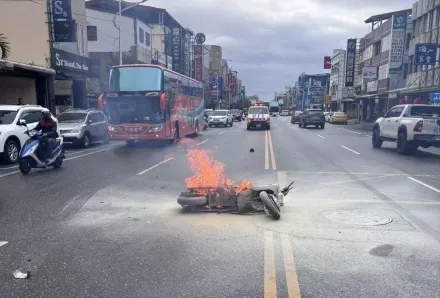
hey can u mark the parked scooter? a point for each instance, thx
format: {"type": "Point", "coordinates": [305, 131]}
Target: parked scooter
{"type": "Point", "coordinates": [205, 127]}
{"type": "Point", "coordinates": [31, 153]}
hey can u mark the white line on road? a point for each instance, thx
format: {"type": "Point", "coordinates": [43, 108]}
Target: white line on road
{"type": "Point", "coordinates": [155, 166]}
{"type": "Point", "coordinates": [222, 132]}
{"type": "Point", "coordinates": [367, 135]}
{"type": "Point", "coordinates": [306, 129]}
{"type": "Point", "coordinates": [358, 133]}
{"type": "Point", "coordinates": [320, 136]}
{"type": "Point", "coordinates": [203, 142]}
{"type": "Point", "coordinates": [94, 152]}
{"type": "Point", "coordinates": [424, 184]}
{"type": "Point", "coordinates": [9, 168]}
{"type": "Point", "coordinates": [69, 158]}
{"type": "Point", "coordinates": [349, 149]}
{"type": "Point", "coordinates": [3, 243]}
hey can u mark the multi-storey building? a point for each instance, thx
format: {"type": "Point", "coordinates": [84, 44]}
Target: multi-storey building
{"type": "Point", "coordinates": [337, 78]}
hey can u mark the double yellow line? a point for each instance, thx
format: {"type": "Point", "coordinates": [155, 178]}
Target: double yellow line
{"type": "Point", "coordinates": [270, 282]}
{"type": "Point", "coordinates": [268, 150]}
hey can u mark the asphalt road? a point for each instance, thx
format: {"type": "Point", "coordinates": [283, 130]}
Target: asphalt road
{"type": "Point", "coordinates": [360, 222]}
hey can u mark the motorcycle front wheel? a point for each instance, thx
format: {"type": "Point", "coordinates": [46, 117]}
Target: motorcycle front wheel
{"type": "Point", "coordinates": [24, 165]}
{"type": "Point", "coordinates": [58, 163]}
{"type": "Point", "coordinates": [270, 205]}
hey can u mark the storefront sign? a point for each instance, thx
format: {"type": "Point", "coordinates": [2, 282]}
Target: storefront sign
{"type": "Point", "coordinates": [176, 49]}
{"type": "Point", "coordinates": [198, 61]}
{"type": "Point", "coordinates": [62, 60]}
{"type": "Point", "coordinates": [425, 54]}
{"type": "Point", "coordinates": [372, 86]}
{"type": "Point", "coordinates": [63, 25]}
{"type": "Point", "coordinates": [369, 73]}
{"type": "Point", "coordinates": [350, 63]}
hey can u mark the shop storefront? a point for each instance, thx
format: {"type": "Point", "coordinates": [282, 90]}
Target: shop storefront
{"type": "Point", "coordinates": [70, 80]}
{"type": "Point", "coordinates": [33, 84]}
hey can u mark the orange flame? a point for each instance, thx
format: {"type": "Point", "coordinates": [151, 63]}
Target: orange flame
{"type": "Point", "coordinates": [244, 184]}
{"type": "Point", "coordinates": [208, 173]}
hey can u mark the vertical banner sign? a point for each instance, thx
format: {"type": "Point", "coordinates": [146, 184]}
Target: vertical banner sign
{"type": "Point", "coordinates": [198, 61]}
{"type": "Point", "coordinates": [351, 62]}
{"type": "Point", "coordinates": [63, 25]}
{"type": "Point", "coordinates": [398, 34]}
{"type": "Point", "coordinates": [327, 62]}
{"type": "Point", "coordinates": [177, 49]}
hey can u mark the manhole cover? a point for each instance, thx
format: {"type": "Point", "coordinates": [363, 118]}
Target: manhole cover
{"type": "Point", "coordinates": [358, 218]}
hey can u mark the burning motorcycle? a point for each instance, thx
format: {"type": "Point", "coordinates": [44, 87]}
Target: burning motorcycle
{"type": "Point", "coordinates": [257, 199]}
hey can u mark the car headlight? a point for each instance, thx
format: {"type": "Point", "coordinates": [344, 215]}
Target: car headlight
{"type": "Point", "coordinates": [223, 118]}
{"type": "Point", "coordinates": [75, 130]}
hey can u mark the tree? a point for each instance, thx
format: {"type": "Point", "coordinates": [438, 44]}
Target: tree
{"type": "Point", "coordinates": [5, 47]}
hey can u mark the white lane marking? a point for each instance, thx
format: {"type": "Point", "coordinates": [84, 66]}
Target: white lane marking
{"type": "Point", "coordinates": [203, 142]}
{"type": "Point", "coordinates": [70, 154]}
{"type": "Point", "coordinates": [3, 243]}
{"type": "Point", "coordinates": [319, 136]}
{"type": "Point", "coordinates": [424, 184]}
{"type": "Point", "coordinates": [222, 132]}
{"type": "Point", "coordinates": [66, 159]}
{"type": "Point", "coordinates": [358, 133]}
{"type": "Point", "coordinates": [349, 149]}
{"type": "Point", "coordinates": [367, 135]}
{"type": "Point", "coordinates": [94, 152]}
{"type": "Point", "coordinates": [155, 166]}
{"type": "Point", "coordinates": [306, 129]}
{"type": "Point", "coordinates": [9, 168]}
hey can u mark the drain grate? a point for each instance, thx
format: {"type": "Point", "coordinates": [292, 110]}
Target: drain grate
{"type": "Point", "coordinates": [358, 218]}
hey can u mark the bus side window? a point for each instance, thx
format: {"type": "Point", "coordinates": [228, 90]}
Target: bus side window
{"type": "Point", "coordinates": [173, 91]}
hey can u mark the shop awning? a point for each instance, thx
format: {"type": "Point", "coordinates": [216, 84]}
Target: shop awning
{"type": "Point", "coordinates": [11, 65]}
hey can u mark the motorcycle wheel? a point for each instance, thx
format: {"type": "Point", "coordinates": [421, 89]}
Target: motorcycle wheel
{"type": "Point", "coordinates": [24, 165]}
{"type": "Point", "coordinates": [58, 163]}
{"type": "Point", "coordinates": [270, 205]}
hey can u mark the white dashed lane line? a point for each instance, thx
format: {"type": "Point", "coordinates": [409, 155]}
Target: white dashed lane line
{"type": "Point", "coordinates": [3, 243]}
{"type": "Point", "coordinates": [424, 184]}
{"type": "Point", "coordinates": [320, 136]}
{"type": "Point", "coordinates": [346, 148]}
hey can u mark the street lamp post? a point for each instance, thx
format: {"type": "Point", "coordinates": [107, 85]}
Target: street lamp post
{"type": "Point", "coordinates": [119, 25]}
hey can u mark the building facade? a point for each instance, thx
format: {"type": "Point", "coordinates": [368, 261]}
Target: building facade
{"type": "Point", "coordinates": [423, 81]}
{"type": "Point", "coordinates": [103, 44]}
{"type": "Point", "coordinates": [25, 72]}
{"type": "Point", "coordinates": [383, 62]}
{"type": "Point", "coordinates": [337, 79]}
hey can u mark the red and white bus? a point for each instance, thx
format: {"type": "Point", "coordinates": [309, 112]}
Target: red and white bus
{"type": "Point", "coordinates": [150, 102]}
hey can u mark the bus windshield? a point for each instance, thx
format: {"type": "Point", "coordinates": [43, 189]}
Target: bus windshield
{"type": "Point", "coordinates": [136, 109]}
{"type": "Point", "coordinates": [135, 78]}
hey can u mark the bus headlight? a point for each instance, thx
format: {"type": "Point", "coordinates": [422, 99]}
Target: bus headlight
{"type": "Point", "coordinates": [155, 128]}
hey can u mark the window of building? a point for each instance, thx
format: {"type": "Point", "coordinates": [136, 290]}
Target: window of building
{"type": "Point", "coordinates": [407, 41]}
{"type": "Point", "coordinates": [92, 33]}
{"type": "Point", "coordinates": [436, 17]}
{"type": "Point", "coordinates": [377, 48]}
{"type": "Point", "coordinates": [141, 36]}
{"type": "Point", "coordinates": [80, 39]}
{"type": "Point", "coordinates": [147, 39]}
{"type": "Point", "coordinates": [386, 43]}
{"type": "Point", "coordinates": [383, 72]}
{"type": "Point", "coordinates": [425, 23]}
{"type": "Point", "coordinates": [429, 20]}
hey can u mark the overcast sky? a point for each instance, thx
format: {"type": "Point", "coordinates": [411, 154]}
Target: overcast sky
{"type": "Point", "coordinates": [270, 42]}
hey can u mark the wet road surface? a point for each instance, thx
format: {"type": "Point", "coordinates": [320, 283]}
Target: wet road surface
{"type": "Point", "coordinates": [360, 222]}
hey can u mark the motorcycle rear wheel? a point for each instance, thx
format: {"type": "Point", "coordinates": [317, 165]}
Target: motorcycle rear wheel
{"type": "Point", "coordinates": [24, 165]}
{"type": "Point", "coordinates": [270, 205]}
{"type": "Point", "coordinates": [58, 163]}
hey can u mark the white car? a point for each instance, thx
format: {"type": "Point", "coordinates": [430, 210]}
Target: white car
{"type": "Point", "coordinates": [221, 117]}
{"type": "Point", "coordinates": [284, 113]}
{"type": "Point", "coordinates": [12, 135]}
{"type": "Point", "coordinates": [258, 117]}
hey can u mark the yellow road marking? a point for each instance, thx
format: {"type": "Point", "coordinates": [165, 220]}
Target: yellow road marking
{"type": "Point", "coordinates": [266, 152]}
{"type": "Point", "coordinates": [289, 266]}
{"type": "Point", "coordinates": [272, 153]}
{"type": "Point", "coordinates": [270, 283]}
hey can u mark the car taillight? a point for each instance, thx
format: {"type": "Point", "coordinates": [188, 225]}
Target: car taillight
{"type": "Point", "coordinates": [419, 126]}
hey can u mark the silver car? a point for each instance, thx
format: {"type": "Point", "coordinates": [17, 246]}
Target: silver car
{"type": "Point", "coordinates": [82, 127]}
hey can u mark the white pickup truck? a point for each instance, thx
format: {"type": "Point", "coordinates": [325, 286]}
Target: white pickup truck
{"type": "Point", "coordinates": [410, 126]}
